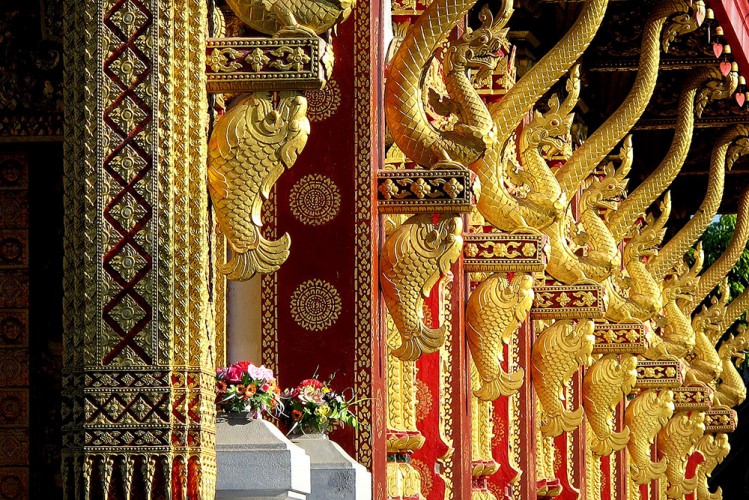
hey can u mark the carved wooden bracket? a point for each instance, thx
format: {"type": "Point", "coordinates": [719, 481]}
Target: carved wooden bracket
{"type": "Point", "coordinates": [693, 397]}
{"type": "Point", "coordinates": [619, 338]}
{"type": "Point", "coordinates": [252, 64]}
{"type": "Point", "coordinates": [568, 302]}
{"type": "Point", "coordinates": [720, 419]}
{"type": "Point", "coordinates": [667, 374]}
{"type": "Point", "coordinates": [504, 252]}
{"type": "Point", "coordinates": [431, 191]}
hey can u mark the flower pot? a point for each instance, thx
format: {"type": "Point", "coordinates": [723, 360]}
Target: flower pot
{"type": "Point", "coordinates": [255, 460]}
{"type": "Point", "coordinates": [335, 475]}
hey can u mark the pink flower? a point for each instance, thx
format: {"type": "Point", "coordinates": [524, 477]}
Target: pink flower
{"type": "Point", "coordinates": [265, 387]}
{"type": "Point", "coordinates": [260, 373]}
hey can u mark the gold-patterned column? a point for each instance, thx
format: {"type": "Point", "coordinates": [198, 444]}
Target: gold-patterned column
{"type": "Point", "coordinates": [403, 480]}
{"type": "Point", "coordinates": [482, 431]}
{"type": "Point", "coordinates": [138, 411]}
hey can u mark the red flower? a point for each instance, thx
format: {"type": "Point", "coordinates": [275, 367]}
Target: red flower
{"type": "Point", "coordinates": [234, 374]}
{"type": "Point", "coordinates": [264, 387]}
{"type": "Point", "coordinates": [313, 382]}
{"type": "Point", "coordinates": [296, 415]}
{"type": "Point", "coordinates": [243, 365]}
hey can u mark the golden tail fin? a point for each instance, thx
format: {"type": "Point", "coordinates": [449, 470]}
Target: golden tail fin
{"type": "Point", "coordinates": [266, 258]}
{"type": "Point", "coordinates": [426, 341]}
{"type": "Point", "coordinates": [506, 384]}
{"type": "Point", "coordinates": [686, 487]}
{"type": "Point", "coordinates": [566, 421]}
{"type": "Point", "coordinates": [611, 443]}
{"type": "Point", "coordinates": [653, 470]}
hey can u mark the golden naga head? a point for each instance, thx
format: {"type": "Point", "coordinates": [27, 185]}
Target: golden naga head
{"type": "Point", "coordinates": [606, 193]}
{"type": "Point", "coordinates": [551, 132]}
{"type": "Point", "coordinates": [686, 16]}
{"type": "Point", "coordinates": [645, 242]}
{"type": "Point", "coordinates": [683, 282]}
{"type": "Point", "coordinates": [477, 49]}
{"type": "Point", "coordinates": [710, 318]}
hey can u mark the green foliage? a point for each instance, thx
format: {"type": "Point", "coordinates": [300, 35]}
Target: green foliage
{"type": "Point", "coordinates": [715, 240]}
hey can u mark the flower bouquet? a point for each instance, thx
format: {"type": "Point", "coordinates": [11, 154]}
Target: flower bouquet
{"type": "Point", "coordinates": [244, 387]}
{"type": "Point", "coordinates": [313, 407]}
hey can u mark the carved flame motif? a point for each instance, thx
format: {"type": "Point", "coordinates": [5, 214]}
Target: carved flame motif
{"type": "Point", "coordinates": [249, 148]}
{"type": "Point", "coordinates": [557, 354]}
{"type": "Point", "coordinates": [495, 310]}
{"type": "Point", "coordinates": [645, 417]}
{"type": "Point", "coordinates": [415, 256]}
{"type": "Point", "coordinates": [604, 386]}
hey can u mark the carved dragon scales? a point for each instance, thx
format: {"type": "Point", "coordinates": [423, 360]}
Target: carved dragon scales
{"type": "Point", "coordinates": [249, 148]}
{"type": "Point", "coordinates": [605, 383]}
{"type": "Point", "coordinates": [704, 85]}
{"type": "Point", "coordinates": [557, 354]}
{"type": "Point", "coordinates": [645, 417]}
{"type": "Point", "coordinates": [497, 203]}
{"type": "Point", "coordinates": [494, 312]}
{"type": "Point", "coordinates": [412, 261]}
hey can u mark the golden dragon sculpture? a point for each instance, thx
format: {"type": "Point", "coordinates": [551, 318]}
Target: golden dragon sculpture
{"type": "Point", "coordinates": [546, 134]}
{"type": "Point", "coordinates": [412, 261]}
{"type": "Point", "coordinates": [293, 17]}
{"type": "Point", "coordinates": [714, 448]}
{"type": "Point", "coordinates": [667, 20]}
{"type": "Point", "coordinates": [606, 382]}
{"type": "Point", "coordinates": [734, 310]}
{"type": "Point", "coordinates": [702, 86]}
{"type": "Point", "coordinates": [675, 441]}
{"type": "Point", "coordinates": [405, 113]}
{"type": "Point", "coordinates": [494, 312]}
{"type": "Point", "coordinates": [704, 362]}
{"type": "Point", "coordinates": [250, 147]}
{"type": "Point", "coordinates": [730, 146]}
{"type": "Point", "coordinates": [677, 337]}
{"type": "Point", "coordinates": [731, 390]}
{"type": "Point", "coordinates": [497, 204]}
{"type": "Point", "coordinates": [645, 417]}
{"type": "Point", "coordinates": [637, 296]}
{"type": "Point", "coordinates": [557, 354]}
{"type": "Point", "coordinates": [602, 251]}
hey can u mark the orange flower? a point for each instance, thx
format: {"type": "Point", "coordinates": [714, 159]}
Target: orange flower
{"type": "Point", "coordinates": [250, 391]}
{"type": "Point", "coordinates": [221, 386]}
{"type": "Point", "coordinates": [296, 415]}
{"type": "Point", "coordinates": [240, 389]}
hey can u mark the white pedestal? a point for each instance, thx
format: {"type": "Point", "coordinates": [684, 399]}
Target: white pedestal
{"type": "Point", "coordinates": [256, 461]}
{"type": "Point", "coordinates": [335, 475]}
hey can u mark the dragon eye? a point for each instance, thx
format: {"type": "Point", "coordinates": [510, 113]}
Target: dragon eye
{"type": "Point", "coordinates": [554, 122]}
{"type": "Point", "coordinates": [483, 39]}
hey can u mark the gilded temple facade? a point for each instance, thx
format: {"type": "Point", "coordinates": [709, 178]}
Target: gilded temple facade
{"type": "Point", "coordinates": [485, 218]}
